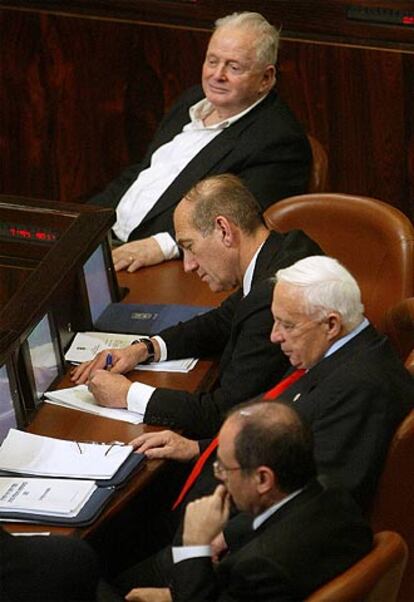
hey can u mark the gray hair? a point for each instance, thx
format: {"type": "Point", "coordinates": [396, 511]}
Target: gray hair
{"type": "Point", "coordinates": [267, 36]}
{"type": "Point", "coordinates": [326, 286]}
{"type": "Point", "coordinates": [226, 195]}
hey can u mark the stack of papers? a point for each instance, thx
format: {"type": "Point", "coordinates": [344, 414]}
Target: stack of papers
{"type": "Point", "coordinates": [29, 493]}
{"type": "Point", "coordinates": [86, 345]}
{"type": "Point", "coordinates": [80, 398]}
{"type": "Point", "coordinates": [45, 497]}
{"type": "Point", "coordinates": [36, 455]}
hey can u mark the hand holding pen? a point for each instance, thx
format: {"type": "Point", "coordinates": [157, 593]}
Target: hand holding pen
{"type": "Point", "coordinates": [109, 362]}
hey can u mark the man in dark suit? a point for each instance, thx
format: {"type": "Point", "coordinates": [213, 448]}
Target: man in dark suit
{"type": "Point", "coordinates": [224, 240]}
{"type": "Point", "coordinates": [303, 534]}
{"type": "Point", "coordinates": [46, 568]}
{"type": "Point", "coordinates": [234, 123]}
{"type": "Point", "coordinates": [355, 390]}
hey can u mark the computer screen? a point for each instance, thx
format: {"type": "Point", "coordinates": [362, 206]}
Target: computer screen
{"type": "Point", "coordinates": [8, 418]}
{"type": "Point", "coordinates": [43, 356]}
{"type": "Point", "coordinates": [97, 283]}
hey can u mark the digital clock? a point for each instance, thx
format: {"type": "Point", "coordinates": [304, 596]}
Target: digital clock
{"type": "Point", "coordinates": [27, 232]}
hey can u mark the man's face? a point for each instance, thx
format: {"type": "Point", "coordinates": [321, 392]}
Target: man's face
{"type": "Point", "coordinates": [240, 485]}
{"type": "Point", "coordinates": [232, 79]}
{"type": "Point", "coordinates": [303, 338]}
{"type": "Point", "coordinates": [208, 256]}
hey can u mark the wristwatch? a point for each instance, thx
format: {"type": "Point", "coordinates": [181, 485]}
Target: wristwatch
{"type": "Point", "coordinates": [150, 349]}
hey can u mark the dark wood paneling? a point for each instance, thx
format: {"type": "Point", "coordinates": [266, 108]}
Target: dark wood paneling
{"type": "Point", "coordinates": [358, 103]}
{"type": "Point", "coordinates": [11, 279]}
{"type": "Point", "coordinates": [81, 97]}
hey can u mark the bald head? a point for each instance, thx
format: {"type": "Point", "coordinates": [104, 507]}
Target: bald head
{"type": "Point", "coordinates": [272, 434]}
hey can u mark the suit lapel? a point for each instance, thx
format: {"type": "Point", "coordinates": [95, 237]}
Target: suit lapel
{"type": "Point", "coordinates": [205, 162]}
{"type": "Point", "coordinates": [305, 385]}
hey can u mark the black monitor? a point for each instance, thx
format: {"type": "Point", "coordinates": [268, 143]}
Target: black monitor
{"type": "Point", "coordinates": [100, 284]}
{"type": "Point", "coordinates": [11, 409]}
{"type": "Point", "coordinates": [42, 358]}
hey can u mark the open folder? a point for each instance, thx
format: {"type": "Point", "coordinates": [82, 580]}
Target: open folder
{"type": "Point", "coordinates": [50, 480]}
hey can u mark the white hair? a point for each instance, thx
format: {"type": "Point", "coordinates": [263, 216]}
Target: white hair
{"type": "Point", "coordinates": [267, 41]}
{"type": "Point", "coordinates": [326, 286]}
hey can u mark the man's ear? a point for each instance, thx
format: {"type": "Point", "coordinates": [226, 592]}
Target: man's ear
{"type": "Point", "coordinates": [225, 231]}
{"type": "Point", "coordinates": [265, 479]}
{"type": "Point", "coordinates": [268, 79]}
{"type": "Point", "coordinates": [334, 325]}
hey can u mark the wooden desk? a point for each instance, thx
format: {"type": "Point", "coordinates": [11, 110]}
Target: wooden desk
{"type": "Point", "coordinates": [166, 283]}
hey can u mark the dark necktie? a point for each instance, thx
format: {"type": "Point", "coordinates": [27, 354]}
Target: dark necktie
{"type": "Point", "coordinates": [198, 466]}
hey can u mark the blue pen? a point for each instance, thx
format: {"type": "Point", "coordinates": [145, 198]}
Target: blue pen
{"type": "Point", "coordinates": [108, 361]}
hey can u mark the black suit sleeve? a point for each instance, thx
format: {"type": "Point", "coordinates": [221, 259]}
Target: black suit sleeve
{"type": "Point", "coordinates": [258, 579]}
{"type": "Point", "coordinates": [252, 366]}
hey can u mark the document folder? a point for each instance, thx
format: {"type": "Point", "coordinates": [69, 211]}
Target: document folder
{"type": "Point", "coordinates": [145, 319]}
{"type": "Point", "coordinates": [90, 512]}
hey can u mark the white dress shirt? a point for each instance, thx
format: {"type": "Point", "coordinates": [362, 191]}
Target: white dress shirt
{"type": "Point", "coordinates": [167, 162]}
{"type": "Point", "coordinates": [139, 394]}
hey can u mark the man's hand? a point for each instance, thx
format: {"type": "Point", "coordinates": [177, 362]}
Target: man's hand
{"type": "Point", "coordinates": [218, 547]}
{"type": "Point", "coordinates": [109, 390]}
{"type": "Point", "coordinates": [149, 594]}
{"type": "Point", "coordinates": [205, 518]}
{"type": "Point", "coordinates": [123, 360]}
{"type": "Point", "coordinates": [166, 444]}
{"type": "Point", "coordinates": [136, 254]}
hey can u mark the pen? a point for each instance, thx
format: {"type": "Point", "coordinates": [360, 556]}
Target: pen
{"type": "Point", "coordinates": [108, 361]}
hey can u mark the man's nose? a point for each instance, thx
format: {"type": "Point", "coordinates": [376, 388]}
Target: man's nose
{"type": "Point", "coordinates": [189, 263]}
{"type": "Point", "coordinates": [276, 336]}
{"type": "Point", "coordinates": [220, 71]}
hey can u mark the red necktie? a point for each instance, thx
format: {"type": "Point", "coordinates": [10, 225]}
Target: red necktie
{"type": "Point", "coordinates": [284, 384]}
{"type": "Point", "coordinates": [198, 466]}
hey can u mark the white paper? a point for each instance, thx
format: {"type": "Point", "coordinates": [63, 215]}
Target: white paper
{"type": "Point", "coordinates": [49, 497]}
{"type": "Point", "coordinates": [46, 456]}
{"type": "Point", "coordinates": [80, 398]}
{"type": "Point", "coordinates": [86, 345]}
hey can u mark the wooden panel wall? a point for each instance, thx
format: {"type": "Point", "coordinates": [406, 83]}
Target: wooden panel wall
{"type": "Point", "coordinates": [82, 94]}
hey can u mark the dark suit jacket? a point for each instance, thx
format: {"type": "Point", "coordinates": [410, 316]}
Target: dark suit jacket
{"type": "Point", "coordinates": [314, 537]}
{"type": "Point", "coordinates": [238, 330]}
{"type": "Point", "coordinates": [354, 401]}
{"type": "Point", "coordinates": [46, 568]}
{"type": "Point", "coordinates": [267, 148]}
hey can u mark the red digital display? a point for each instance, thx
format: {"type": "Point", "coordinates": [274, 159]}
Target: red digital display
{"type": "Point", "coordinates": [27, 233]}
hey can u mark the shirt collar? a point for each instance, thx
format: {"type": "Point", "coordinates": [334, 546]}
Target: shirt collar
{"type": "Point", "coordinates": [203, 107]}
{"type": "Point", "coordinates": [261, 518]}
{"type": "Point", "coordinates": [248, 274]}
{"type": "Point", "coordinates": [344, 340]}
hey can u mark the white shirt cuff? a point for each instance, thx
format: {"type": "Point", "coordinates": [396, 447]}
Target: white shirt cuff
{"type": "Point", "coordinates": [138, 397]}
{"type": "Point", "coordinates": [186, 552]}
{"type": "Point", "coordinates": [168, 245]}
{"type": "Point", "coordinates": [163, 348]}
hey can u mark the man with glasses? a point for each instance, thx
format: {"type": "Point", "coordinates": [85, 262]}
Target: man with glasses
{"type": "Point", "coordinates": [301, 535]}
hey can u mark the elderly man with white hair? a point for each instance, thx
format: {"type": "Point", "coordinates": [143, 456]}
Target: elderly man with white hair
{"type": "Point", "coordinates": [355, 390]}
{"type": "Point", "coordinates": [234, 122]}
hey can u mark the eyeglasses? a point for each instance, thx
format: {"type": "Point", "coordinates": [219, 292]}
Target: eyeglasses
{"type": "Point", "coordinates": [111, 444]}
{"type": "Point", "coordinates": [220, 470]}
